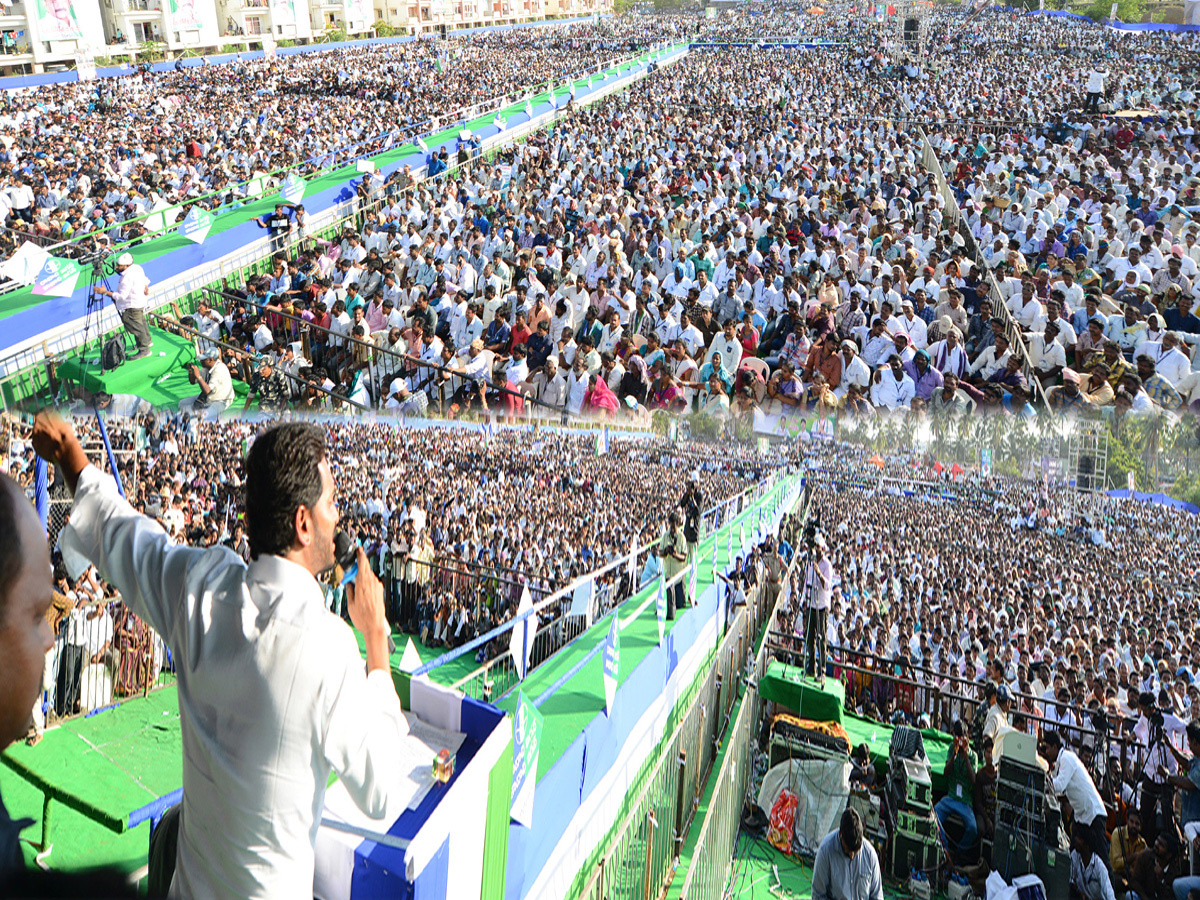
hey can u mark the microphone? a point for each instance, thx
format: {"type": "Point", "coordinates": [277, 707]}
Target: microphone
{"type": "Point", "coordinates": [345, 551]}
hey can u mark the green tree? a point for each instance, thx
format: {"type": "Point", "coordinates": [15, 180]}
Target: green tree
{"type": "Point", "coordinates": [620, 7]}
{"type": "Point", "coordinates": [1127, 10]}
{"type": "Point", "coordinates": [385, 29]}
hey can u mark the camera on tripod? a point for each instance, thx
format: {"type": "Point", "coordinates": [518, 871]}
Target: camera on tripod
{"type": "Point", "coordinates": [812, 532]}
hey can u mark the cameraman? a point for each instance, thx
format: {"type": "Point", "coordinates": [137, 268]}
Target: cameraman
{"type": "Point", "coordinates": [1154, 729]}
{"type": "Point", "coordinates": [690, 503]}
{"type": "Point", "coordinates": [673, 550]}
{"type": "Point", "coordinates": [215, 383]}
{"type": "Point", "coordinates": [819, 581]}
{"type": "Point", "coordinates": [1189, 783]}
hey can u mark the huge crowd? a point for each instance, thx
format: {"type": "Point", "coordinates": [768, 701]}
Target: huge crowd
{"type": "Point", "coordinates": [981, 606]}
{"type": "Point", "coordinates": [93, 158]}
{"type": "Point", "coordinates": [753, 232]}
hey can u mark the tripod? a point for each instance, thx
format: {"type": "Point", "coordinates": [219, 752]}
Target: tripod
{"type": "Point", "coordinates": [98, 273]}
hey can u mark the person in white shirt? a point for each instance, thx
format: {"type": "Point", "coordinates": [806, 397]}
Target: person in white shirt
{"type": "Point", "coordinates": [1047, 355]}
{"type": "Point", "coordinates": [1169, 361]}
{"type": "Point", "coordinates": [130, 297]}
{"type": "Point", "coordinates": [216, 387]}
{"type": "Point", "coordinates": [1095, 87]}
{"type": "Point", "coordinates": [1089, 877]}
{"type": "Point", "coordinates": [273, 693]}
{"type": "Point", "coordinates": [992, 359]}
{"type": "Point", "coordinates": [914, 326]}
{"type": "Point", "coordinates": [854, 370]}
{"type": "Point", "coordinates": [727, 344]}
{"type": "Point", "coordinates": [893, 389]}
{"type": "Point", "coordinates": [1071, 780]}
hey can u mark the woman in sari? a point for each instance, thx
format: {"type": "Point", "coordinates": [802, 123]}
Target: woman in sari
{"type": "Point", "coordinates": [715, 366]}
{"type": "Point", "coordinates": [600, 400]}
{"type": "Point", "coordinates": [667, 395]}
{"type": "Point", "coordinates": [636, 380]}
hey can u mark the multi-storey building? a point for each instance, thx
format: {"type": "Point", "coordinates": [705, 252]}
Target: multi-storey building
{"type": "Point", "coordinates": [48, 35]}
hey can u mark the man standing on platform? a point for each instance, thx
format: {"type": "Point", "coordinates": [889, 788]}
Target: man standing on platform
{"type": "Point", "coordinates": [131, 296]}
{"type": "Point", "coordinates": [672, 548]}
{"type": "Point", "coordinates": [816, 617]}
{"type": "Point", "coordinates": [773, 571]}
{"type": "Point", "coordinates": [691, 516]}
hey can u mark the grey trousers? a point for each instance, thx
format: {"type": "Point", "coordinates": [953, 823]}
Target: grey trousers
{"type": "Point", "coordinates": [134, 321]}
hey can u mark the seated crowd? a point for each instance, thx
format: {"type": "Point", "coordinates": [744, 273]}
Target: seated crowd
{"type": "Point", "coordinates": [699, 244]}
{"type": "Point", "coordinates": [207, 135]}
{"type": "Point", "coordinates": [980, 606]}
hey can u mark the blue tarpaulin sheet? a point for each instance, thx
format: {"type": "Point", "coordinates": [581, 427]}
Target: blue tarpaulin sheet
{"type": "Point", "coordinates": [1161, 499]}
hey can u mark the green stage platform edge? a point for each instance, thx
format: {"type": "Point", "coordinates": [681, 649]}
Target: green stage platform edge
{"type": "Point", "coordinates": [787, 686]}
{"type": "Point", "coordinates": [575, 704]}
{"type": "Point", "coordinates": [109, 765]}
{"type": "Point", "coordinates": [158, 378]}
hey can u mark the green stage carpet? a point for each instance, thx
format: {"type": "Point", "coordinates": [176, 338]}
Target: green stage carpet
{"type": "Point", "coordinates": [787, 686]}
{"type": "Point", "coordinates": [159, 377]}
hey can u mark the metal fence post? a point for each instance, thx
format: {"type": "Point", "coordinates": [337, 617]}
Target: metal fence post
{"type": "Point", "coordinates": [648, 881]}
{"type": "Point", "coordinates": [720, 706]}
{"type": "Point", "coordinates": [679, 802]}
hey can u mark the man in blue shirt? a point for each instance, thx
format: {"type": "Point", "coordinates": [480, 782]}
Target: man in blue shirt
{"type": "Point", "coordinates": [847, 867]}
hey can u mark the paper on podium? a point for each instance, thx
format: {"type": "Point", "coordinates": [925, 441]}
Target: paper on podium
{"type": "Point", "coordinates": [415, 754]}
{"type": "Point", "coordinates": [423, 745]}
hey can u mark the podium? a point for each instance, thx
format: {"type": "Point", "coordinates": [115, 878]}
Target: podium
{"type": "Point", "coordinates": [455, 843]}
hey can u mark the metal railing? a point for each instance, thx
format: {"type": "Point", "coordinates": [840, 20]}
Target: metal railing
{"type": "Point", "coordinates": [708, 873]}
{"type": "Point", "coordinates": [612, 585]}
{"type": "Point", "coordinates": [103, 654]}
{"type": "Point", "coordinates": [641, 860]}
{"type": "Point", "coordinates": [917, 689]}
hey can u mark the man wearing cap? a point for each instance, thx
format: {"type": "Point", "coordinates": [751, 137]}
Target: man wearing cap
{"type": "Point", "coordinates": [130, 297]}
{"type": "Point", "coordinates": [215, 383]}
{"type": "Point", "coordinates": [271, 386]}
{"type": "Point", "coordinates": [1067, 398]}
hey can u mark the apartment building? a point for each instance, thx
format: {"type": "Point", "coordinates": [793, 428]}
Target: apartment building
{"type": "Point", "coordinates": [50, 35]}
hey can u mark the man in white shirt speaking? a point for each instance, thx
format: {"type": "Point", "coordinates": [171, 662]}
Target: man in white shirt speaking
{"type": "Point", "coordinates": [130, 297]}
{"type": "Point", "coordinates": [273, 694]}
